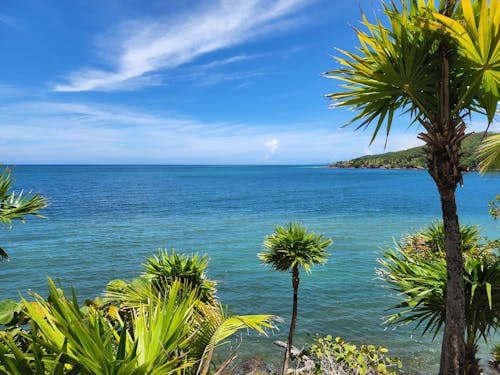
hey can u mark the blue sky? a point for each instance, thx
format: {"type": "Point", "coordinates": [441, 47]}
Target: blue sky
{"type": "Point", "coordinates": [178, 82]}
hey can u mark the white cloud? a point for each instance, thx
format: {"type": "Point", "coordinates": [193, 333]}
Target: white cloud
{"type": "Point", "coordinates": [145, 47]}
{"type": "Point", "coordinates": [272, 146]}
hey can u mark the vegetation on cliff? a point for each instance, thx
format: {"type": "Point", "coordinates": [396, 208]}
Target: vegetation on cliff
{"type": "Point", "coordinates": [414, 158]}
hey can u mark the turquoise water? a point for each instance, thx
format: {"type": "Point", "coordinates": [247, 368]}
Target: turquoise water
{"type": "Point", "coordinates": [104, 220]}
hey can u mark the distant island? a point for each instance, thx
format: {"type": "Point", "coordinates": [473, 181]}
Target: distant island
{"type": "Point", "coordinates": [414, 158]}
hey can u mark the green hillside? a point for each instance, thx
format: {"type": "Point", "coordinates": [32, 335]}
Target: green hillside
{"type": "Point", "coordinates": [413, 158]}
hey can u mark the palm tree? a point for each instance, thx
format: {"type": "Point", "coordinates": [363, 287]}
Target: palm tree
{"type": "Point", "coordinates": [289, 249]}
{"type": "Point", "coordinates": [438, 64]}
{"type": "Point", "coordinates": [16, 206]}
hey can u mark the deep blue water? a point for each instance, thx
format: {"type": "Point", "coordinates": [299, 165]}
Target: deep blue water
{"type": "Point", "coordinates": [104, 220]}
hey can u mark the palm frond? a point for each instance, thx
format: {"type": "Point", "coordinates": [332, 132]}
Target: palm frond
{"type": "Point", "coordinates": [216, 325]}
{"type": "Point", "coordinates": [293, 246]}
{"type": "Point", "coordinates": [489, 154]}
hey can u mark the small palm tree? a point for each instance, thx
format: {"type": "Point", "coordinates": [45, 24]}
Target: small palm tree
{"type": "Point", "coordinates": [16, 206]}
{"type": "Point", "coordinates": [289, 249]}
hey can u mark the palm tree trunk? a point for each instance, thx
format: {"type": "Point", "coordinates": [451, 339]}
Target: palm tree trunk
{"type": "Point", "coordinates": [452, 353]}
{"type": "Point", "coordinates": [295, 284]}
{"type": "Point", "coordinates": [447, 174]}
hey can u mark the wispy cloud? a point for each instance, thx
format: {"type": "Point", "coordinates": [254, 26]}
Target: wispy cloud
{"type": "Point", "coordinates": [146, 47]}
{"type": "Point", "coordinates": [9, 91]}
{"type": "Point", "coordinates": [62, 132]}
{"type": "Point", "coordinates": [11, 22]}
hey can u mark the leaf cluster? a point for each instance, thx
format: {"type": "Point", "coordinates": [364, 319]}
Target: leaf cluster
{"type": "Point", "coordinates": [134, 330]}
{"type": "Point", "coordinates": [415, 269]}
{"type": "Point", "coordinates": [335, 354]}
{"type": "Point", "coordinates": [397, 66]}
{"type": "Point", "coordinates": [16, 206]}
{"type": "Point", "coordinates": [293, 246]}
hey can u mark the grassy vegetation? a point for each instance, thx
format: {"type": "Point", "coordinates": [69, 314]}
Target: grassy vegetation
{"type": "Point", "coordinates": [414, 158]}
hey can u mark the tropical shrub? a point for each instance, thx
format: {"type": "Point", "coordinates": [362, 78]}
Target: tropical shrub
{"type": "Point", "coordinates": [335, 356]}
{"type": "Point", "coordinates": [495, 207]}
{"type": "Point", "coordinates": [140, 332]}
{"type": "Point", "coordinates": [415, 268]}
{"type": "Point", "coordinates": [163, 269]}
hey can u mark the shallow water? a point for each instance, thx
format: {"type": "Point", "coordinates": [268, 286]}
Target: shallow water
{"type": "Point", "coordinates": [104, 220]}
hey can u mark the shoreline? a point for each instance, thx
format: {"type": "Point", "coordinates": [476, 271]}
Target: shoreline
{"type": "Point", "coordinates": [388, 167]}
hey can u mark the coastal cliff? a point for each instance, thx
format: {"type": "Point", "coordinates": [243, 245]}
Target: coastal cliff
{"type": "Point", "coordinates": [414, 158]}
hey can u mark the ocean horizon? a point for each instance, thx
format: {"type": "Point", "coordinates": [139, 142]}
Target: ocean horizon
{"type": "Point", "coordinates": [103, 220]}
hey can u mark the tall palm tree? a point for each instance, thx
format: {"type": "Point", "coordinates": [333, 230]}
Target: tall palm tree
{"type": "Point", "coordinates": [439, 64]}
{"type": "Point", "coordinates": [16, 206]}
{"type": "Point", "coordinates": [288, 249]}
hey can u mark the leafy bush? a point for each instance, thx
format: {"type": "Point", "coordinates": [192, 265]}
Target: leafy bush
{"type": "Point", "coordinates": [415, 269]}
{"type": "Point", "coordinates": [139, 332]}
{"type": "Point", "coordinates": [339, 357]}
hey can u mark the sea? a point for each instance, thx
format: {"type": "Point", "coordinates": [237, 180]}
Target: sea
{"type": "Point", "coordinates": [104, 220]}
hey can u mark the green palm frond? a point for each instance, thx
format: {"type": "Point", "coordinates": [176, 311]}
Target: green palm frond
{"type": "Point", "coordinates": [162, 332]}
{"type": "Point", "coordinates": [163, 269]}
{"type": "Point", "coordinates": [293, 246]}
{"type": "Point", "coordinates": [394, 69]}
{"type": "Point", "coordinates": [154, 344]}
{"type": "Point", "coordinates": [16, 206]}
{"type": "Point", "coordinates": [477, 37]}
{"type": "Point", "coordinates": [215, 326]}
{"type": "Point", "coordinates": [489, 154]}
{"type": "Point", "coordinates": [397, 66]}
{"type": "Point", "coordinates": [131, 295]}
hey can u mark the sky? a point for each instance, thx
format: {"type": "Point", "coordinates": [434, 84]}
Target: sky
{"type": "Point", "coordinates": [179, 82]}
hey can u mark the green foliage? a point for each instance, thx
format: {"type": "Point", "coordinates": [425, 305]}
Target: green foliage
{"type": "Point", "coordinates": [430, 241]}
{"type": "Point", "coordinates": [397, 65]}
{"type": "Point", "coordinates": [496, 353]}
{"type": "Point", "coordinates": [16, 206]}
{"type": "Point", "coordinates": [9, 311]}
{"type": "Point", "coordinates": [417, 272]}
{"type": "Point", "coordinates": [293, 246]}
{"type": "Point", "coordinates": [163, 269]}
{"type": "Point", "coordinates": [489, 153]}
{"type": "Point", "coordinates": [146, 333]}
{"type": "Point", "coordinates": [495, 207]}
{"type": "Point", "coordinates": [339, 357]}
{"type": "Point", "coordinates": [415, 158]}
